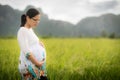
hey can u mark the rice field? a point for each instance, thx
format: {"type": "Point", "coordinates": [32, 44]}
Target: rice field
{"type": "Point", "coordinates": [68, 59]}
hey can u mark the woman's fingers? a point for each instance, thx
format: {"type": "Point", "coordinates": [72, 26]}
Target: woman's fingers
{"type": "Point", "coordinates": [41, 44]}
{"type": "Point", "coordinates": [41, 63]}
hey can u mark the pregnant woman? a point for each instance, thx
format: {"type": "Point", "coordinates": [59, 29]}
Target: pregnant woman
{"type": "Point", "coordinates": [32, 60]}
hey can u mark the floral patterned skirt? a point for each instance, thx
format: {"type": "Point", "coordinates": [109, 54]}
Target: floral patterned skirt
{"type": "Point", "coordinates": [33, 73]}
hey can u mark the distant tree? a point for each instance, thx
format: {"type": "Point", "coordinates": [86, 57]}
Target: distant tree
{"type": "Point", "coordinates": [112, 35]}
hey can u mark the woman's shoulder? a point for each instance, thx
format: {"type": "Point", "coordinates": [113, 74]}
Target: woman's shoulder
{"type": "Point", "coordinates": [22, 29]}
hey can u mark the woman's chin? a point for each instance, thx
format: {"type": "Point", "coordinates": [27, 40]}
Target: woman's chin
{"type": "Point", "coordinates": [34, 26]}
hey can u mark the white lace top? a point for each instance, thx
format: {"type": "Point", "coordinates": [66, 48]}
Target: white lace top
{"type": "Point", "coordinates": [29, 42]}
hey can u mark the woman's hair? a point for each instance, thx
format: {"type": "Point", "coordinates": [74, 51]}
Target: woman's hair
{"type": "Point", "coordinates": [30, 13]}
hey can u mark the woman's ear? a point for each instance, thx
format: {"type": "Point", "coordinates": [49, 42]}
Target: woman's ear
{"type": "Point", "coordinates": [27, 18]}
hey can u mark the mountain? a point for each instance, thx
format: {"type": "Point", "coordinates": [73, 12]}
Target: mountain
{"type": "Point", "coordinates": [87, 27]}
{"type": "Point", "coordinates": [9, 20]}
{"type": "Point", "coordinates": [94, 26]}
{"type": "Point", "coordinates": [10, 23]}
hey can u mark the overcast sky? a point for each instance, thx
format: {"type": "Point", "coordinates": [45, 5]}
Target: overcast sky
{"type": "Point", "coordinates": [68, 10]}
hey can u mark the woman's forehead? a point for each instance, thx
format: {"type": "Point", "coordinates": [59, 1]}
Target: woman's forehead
{"type": "Point", "coordinates": [37, 16]}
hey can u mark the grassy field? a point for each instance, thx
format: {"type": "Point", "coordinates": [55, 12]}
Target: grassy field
{"type": "Point", "coordinates": [68, 59]}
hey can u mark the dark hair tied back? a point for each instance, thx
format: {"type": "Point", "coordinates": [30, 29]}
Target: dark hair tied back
{"type": "Point", "coordinates": [23, 20]}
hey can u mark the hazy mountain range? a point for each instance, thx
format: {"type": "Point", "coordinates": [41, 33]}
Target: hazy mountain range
{"type": "Point", "coordinates": [87, 27]}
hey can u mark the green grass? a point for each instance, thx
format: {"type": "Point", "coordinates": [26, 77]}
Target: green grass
{"type": "Point", "coordinates": [68, 59]}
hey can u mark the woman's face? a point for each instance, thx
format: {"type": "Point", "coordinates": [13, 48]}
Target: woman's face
{"type": "Point", "coordinates": [34, 21]}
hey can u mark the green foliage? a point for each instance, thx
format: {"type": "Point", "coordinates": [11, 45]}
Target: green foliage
{"type": "Point", "coordinates": [112, 35]}
{"type": "Point", "coordinates": [68, 59]}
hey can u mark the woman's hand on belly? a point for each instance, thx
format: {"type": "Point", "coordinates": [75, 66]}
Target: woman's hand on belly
{"type": "Point", "coordinates": [40, 63]}
{"type": "Point", "coordinates": [41, 43]}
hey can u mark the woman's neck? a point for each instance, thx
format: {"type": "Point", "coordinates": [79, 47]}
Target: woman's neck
{"type": "Point", "coordinates": [27, 26]}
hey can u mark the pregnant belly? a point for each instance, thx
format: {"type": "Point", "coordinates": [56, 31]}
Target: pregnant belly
{"type": "Point", "coordinates": [38, 51]}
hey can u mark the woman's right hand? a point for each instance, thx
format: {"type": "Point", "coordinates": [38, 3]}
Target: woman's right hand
{"type": "Point", "coordinates": [40, 63]}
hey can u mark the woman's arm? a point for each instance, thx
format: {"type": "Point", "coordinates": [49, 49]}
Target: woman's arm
{"type": "Point", "coordinates": [34, 61]}
{"type": "Point", "coordinates": [44, 49]}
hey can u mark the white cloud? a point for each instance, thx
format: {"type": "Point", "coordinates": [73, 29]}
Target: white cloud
{"type": "Point", "coordinates": [69, 10]}
{"type": "Point", "coordinates": [103, 6]}
{"type": "Point", "coordinates": [99, 1]}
